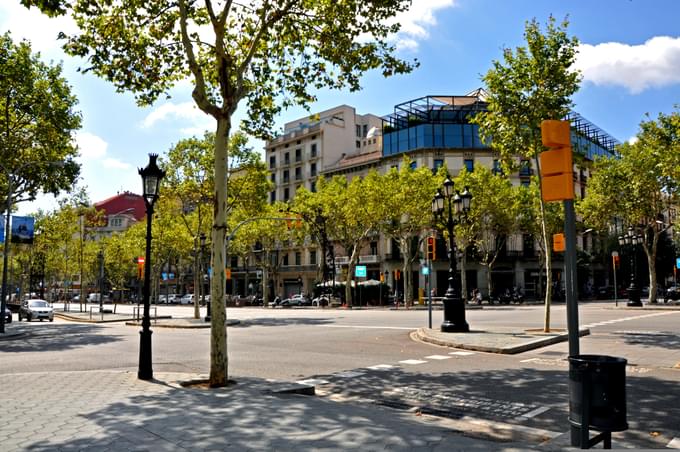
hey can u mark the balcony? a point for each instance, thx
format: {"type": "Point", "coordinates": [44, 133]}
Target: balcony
{"type": "Point", "coordinates": [365, 259]}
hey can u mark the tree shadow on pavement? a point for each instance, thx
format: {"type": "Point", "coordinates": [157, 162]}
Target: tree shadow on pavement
{"type": "Point", "coordinates": [242, 418]}
{"type": "Point", "coordinates": [54, 337]}
{"type": "Point", "coordinates": [661, 340]}
{"type": "Point", "coordinates": [269, 321]}
{"type": "Point", "coordinates": [513, 396]}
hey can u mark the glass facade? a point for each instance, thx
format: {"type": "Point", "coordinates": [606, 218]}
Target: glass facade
{"type": "Point", "coordinates": [432, 136]}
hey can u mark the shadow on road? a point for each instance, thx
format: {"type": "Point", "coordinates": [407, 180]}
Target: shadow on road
{"type": "Point", "coordinates": [54, 337]}
{"type": "Point", "coordinates": [266, 321]}
{"type": "Point", "coordinates": [650, 339]}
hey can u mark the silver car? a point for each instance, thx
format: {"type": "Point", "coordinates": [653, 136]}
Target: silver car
{"type": "Point", "coordinates": [36, 309]}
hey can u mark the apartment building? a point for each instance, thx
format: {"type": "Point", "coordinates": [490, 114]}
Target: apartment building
{"type": "Point", "coordinates": [433, 131]}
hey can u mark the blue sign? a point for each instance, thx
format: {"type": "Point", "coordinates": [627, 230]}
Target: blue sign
{"type": "Point", "coordinates": [360, 271]}
{"type": "Point", "coordinates": [2, 230]}
{"type": "Point", "coordinates": [425, 270]}
{"type": "Point", "coordinates": [677, 262]}
{"type": "Point", "coordinates": [22, 230]}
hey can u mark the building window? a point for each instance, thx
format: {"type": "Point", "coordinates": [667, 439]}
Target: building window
{"type": "Point", "coordinates": [469, 165]}
{"type": "Point", "coordinates": [313, 150]}
{"type": "Point", "coordinates": [298, 258]}
{"type": "Point", "coordinates": [374, 248]}
{"type": "Point", "coordinates": [272, 197]}
{"type": "Point", "coordinates": [299, 141]}
{"type": "Point", "coordinates": [525, 168]}
{"type": "Point", "coordinates": [286, 194]}
{"type": "Point", "coordinates": [273, 178]}
{"type": "Point", "coordinates": [234, 261]}
{"type": "Point", "coordinates": [272, 161]}
{"type": "Point", "coordinates": [525, 182]}
{"type": "Point", "coordinates": [285, 176]}
{"type": "Point", "coordinates": [312, 257]}
{"type": "Point", "coordinates": [312, 170]}
{"type": "Point", "coordinates": [312, 187]}
{"type": "Point", "coordinates": [365, 132]}
{"type": "Point", "coordinates": [298, 173]}
{"type": "Point", "coordinates": [286, 158]}
{"type": "Point", "coordinates": [285, 260]}
{"type": "Point", "coordinates": [438, 163]}
{"type": "Point", "coordinates": [358, 144]}
{"type": "Point", "coordinates": [298, 155]}
{"type": "Point", "coordinates": [116, 222]}
{"type": "Point", "coordinates": [413, 165]}
{"type": "Point", "coordinates": [358, 130]}
{"type": "Point", "coordinates": [497, 167]}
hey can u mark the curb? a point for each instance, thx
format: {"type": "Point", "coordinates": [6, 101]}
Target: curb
{"type": "Point", "coordinates": [72, 318]}
{"type": "Point", "coordinates": [421, 335]}
{"type": "Point", "coordinates": [189, 326]}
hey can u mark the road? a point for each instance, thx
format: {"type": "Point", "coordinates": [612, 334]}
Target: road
{"type": "Point", "coordinates": [368, 355]}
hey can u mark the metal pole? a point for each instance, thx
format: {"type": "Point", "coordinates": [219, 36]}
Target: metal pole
{"type": "Point", "coordinates": [145, 371]}
{"type": "Point", "coordinates": [616, 295]}
{"type": "Point", "coordinates": [429, 295]}
{"type": "Point", "coordinates": [454, 308]}
{"type": "Point", "coordinates": [6, 253]}
{"type": "Point", "coordinates": [570, 276]}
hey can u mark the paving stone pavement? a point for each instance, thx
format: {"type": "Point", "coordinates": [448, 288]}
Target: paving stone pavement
{"type": "Point", "coordinates": [114, 411]}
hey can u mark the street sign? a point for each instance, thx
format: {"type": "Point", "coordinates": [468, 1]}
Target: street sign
{"type": "Point", "coordinates": [360, 271]}
{"type": "Point", "coordinates": [425, 270]}
{"type": "Point", "coordinates": [677, 262]}
{"type": "Point", "coordinates": [140, 260]}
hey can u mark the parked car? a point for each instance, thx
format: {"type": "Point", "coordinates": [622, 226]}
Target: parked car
{"type": "Point", "coordinates": [8, 315]}
{"type": "Point", "coordinates": [295, 300]}
{"type": "Point", "coordinates": [672, 293]}
{"type": "Point", "coordinates": [36, 309]}
{"type": "Point", "coordinates": [321, 300]}
{"type": "Point", "coordinates": [187, 299]}
{"type": "Point", "coordinates": [167, 299]}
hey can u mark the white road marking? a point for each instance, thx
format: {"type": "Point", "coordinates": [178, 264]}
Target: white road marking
{"type": "Point", "coordinates": [637, 317]}
{"type": "Point", "coordinates": [439, 357]}
{"type": "Point", "coordinates": [382, 367]}
{"type": "Point", "coordinates": [530, 360]}
{"type": "Point", "coordinates": [535, 412]}
{"type": "Point", "coordinates": [462, 353]}
{"type": "Point", "coordinates": [412, 362]}
{"type": "Point", "coordinates": [370, 327]}
{"type": "Point", "coordinates": [312, 381]}
{"type": "Point", "coordinates": [349, 374]}
{"type": "Point", "coordinates": [674, 443]}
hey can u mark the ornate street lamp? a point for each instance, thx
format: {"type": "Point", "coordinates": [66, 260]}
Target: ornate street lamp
{"type": "Point", "coordinates": [454, 305]}
{"type": "Point", "coordinates": [630, 240]}
{"type": "Point", "coordinates": [151, 181]}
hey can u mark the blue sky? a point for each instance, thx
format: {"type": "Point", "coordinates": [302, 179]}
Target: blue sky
{"type": "Point", "coordinates": [630, 58]}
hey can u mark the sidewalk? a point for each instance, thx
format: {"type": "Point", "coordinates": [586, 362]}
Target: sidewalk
{"type": "Point", "coordinates": [115, 411]}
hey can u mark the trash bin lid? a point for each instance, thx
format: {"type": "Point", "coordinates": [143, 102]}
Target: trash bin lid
{"type": "Point", "coordinates": [597, 360]}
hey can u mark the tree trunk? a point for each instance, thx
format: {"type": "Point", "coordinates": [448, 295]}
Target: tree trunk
{"type": "Point", "coordinates": [197, 285]}
{"type": "Point", "coordinates": [651, 264]}
{"type": "Point", "coordinates": [548, 269]}
{"type": "Point", "coordinates": [463, 279]}
{"type": "Point", "coordinates": [405, 247]}
{"type": "Point", "coordinates": [218, 332]}
{"type": "Point", "coordinates": [265, 281]}
{"type": "Point", "coordinates": [489, 282]}
{"type": "Point", "coordinates": [350, 272]}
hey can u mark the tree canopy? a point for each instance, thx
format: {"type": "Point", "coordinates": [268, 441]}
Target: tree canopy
{"type": "Point", "coordinates": [37, 121]}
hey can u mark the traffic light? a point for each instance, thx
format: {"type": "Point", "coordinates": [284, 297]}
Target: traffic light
{"type": "Point", "coordinates": [431, 248]}
{"type": "Point", "coordinates": [294, 223]}
{"type": "Point", "coordinates": [556, 164]}
{"type": "Point", "coordinates": [228, 273]}
{"type": "Point", "coordinates": [397, 274]}
{"type": "Point", "coordinates": [558, 243]}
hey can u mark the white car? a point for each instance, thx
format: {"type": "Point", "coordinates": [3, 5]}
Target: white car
{"type": "Point", "coordinates": [36, 309]}
{"type": "Point", "coordinates": [187, 299]}
{"type": "Point", "coordinates": [167, 299]}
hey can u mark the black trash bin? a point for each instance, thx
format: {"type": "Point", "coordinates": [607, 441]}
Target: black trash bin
{"type": "Point", "coordinates": [597, 392]}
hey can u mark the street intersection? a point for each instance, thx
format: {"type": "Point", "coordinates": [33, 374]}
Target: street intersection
{"type": "Point", "coordinates": [369, 359]}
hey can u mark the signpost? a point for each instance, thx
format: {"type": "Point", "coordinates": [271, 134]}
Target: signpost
{"type": "Point", "coordinates": [360, 272]}
{"type": "Point", "coordinates": [615, 255]}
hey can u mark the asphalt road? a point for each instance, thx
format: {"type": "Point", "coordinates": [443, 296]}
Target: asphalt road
{"type": "Point", "coordinates": [368, 355]}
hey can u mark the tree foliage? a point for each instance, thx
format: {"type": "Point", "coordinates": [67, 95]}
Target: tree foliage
{"type": "Point", "coordinates": [533, 83]}
{"type": "Point", "coordinates": [270, 54]}
{"type": "Point", "coordinates": [640, 187]}
{"type": "Point", "coordinates": [37, 121]}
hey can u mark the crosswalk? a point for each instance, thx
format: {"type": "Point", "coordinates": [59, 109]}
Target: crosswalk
{"type": "Point", "coordinates": [626, 319]}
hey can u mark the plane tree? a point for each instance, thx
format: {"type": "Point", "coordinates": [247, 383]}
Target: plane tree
{"type": "Point", "coordinates": [265, 55]}
{"type": "Point", "coordinates": [639, 187]}
{"type": "Point", "coordinates": [533, 83]}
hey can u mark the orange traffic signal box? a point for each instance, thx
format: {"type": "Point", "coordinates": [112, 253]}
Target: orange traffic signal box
{"type": "Point", "coordinates": [556, 164]}
{"type": "Point", "coordinates": [558, 243]}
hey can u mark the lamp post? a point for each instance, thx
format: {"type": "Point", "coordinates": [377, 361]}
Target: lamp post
{"type": "Point", "coordinates": [630, 239]}
{"type": "Point", "coordinates": [454, 305]}
{"type": "Point", "coordinates": [202, 239]}
{"type": "Point", "coordinates": [100, 259]}
{"type": "Point", "coordinates": [151, 180]}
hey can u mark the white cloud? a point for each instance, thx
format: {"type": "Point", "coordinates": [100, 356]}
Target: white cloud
{"type": "Point", "coordinates": [654, 64]}
{"type": "Point", "coordinates": [91, 146]}
{"type": "Point", "coordinates": [195, 122]}
{"type": "Point", "coordinates": [115, 163]}
{"type": "Point", "coordinates": [416, 20]}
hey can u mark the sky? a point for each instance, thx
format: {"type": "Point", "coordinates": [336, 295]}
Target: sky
{"type": "Point", "coordinates": [629, 56]}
